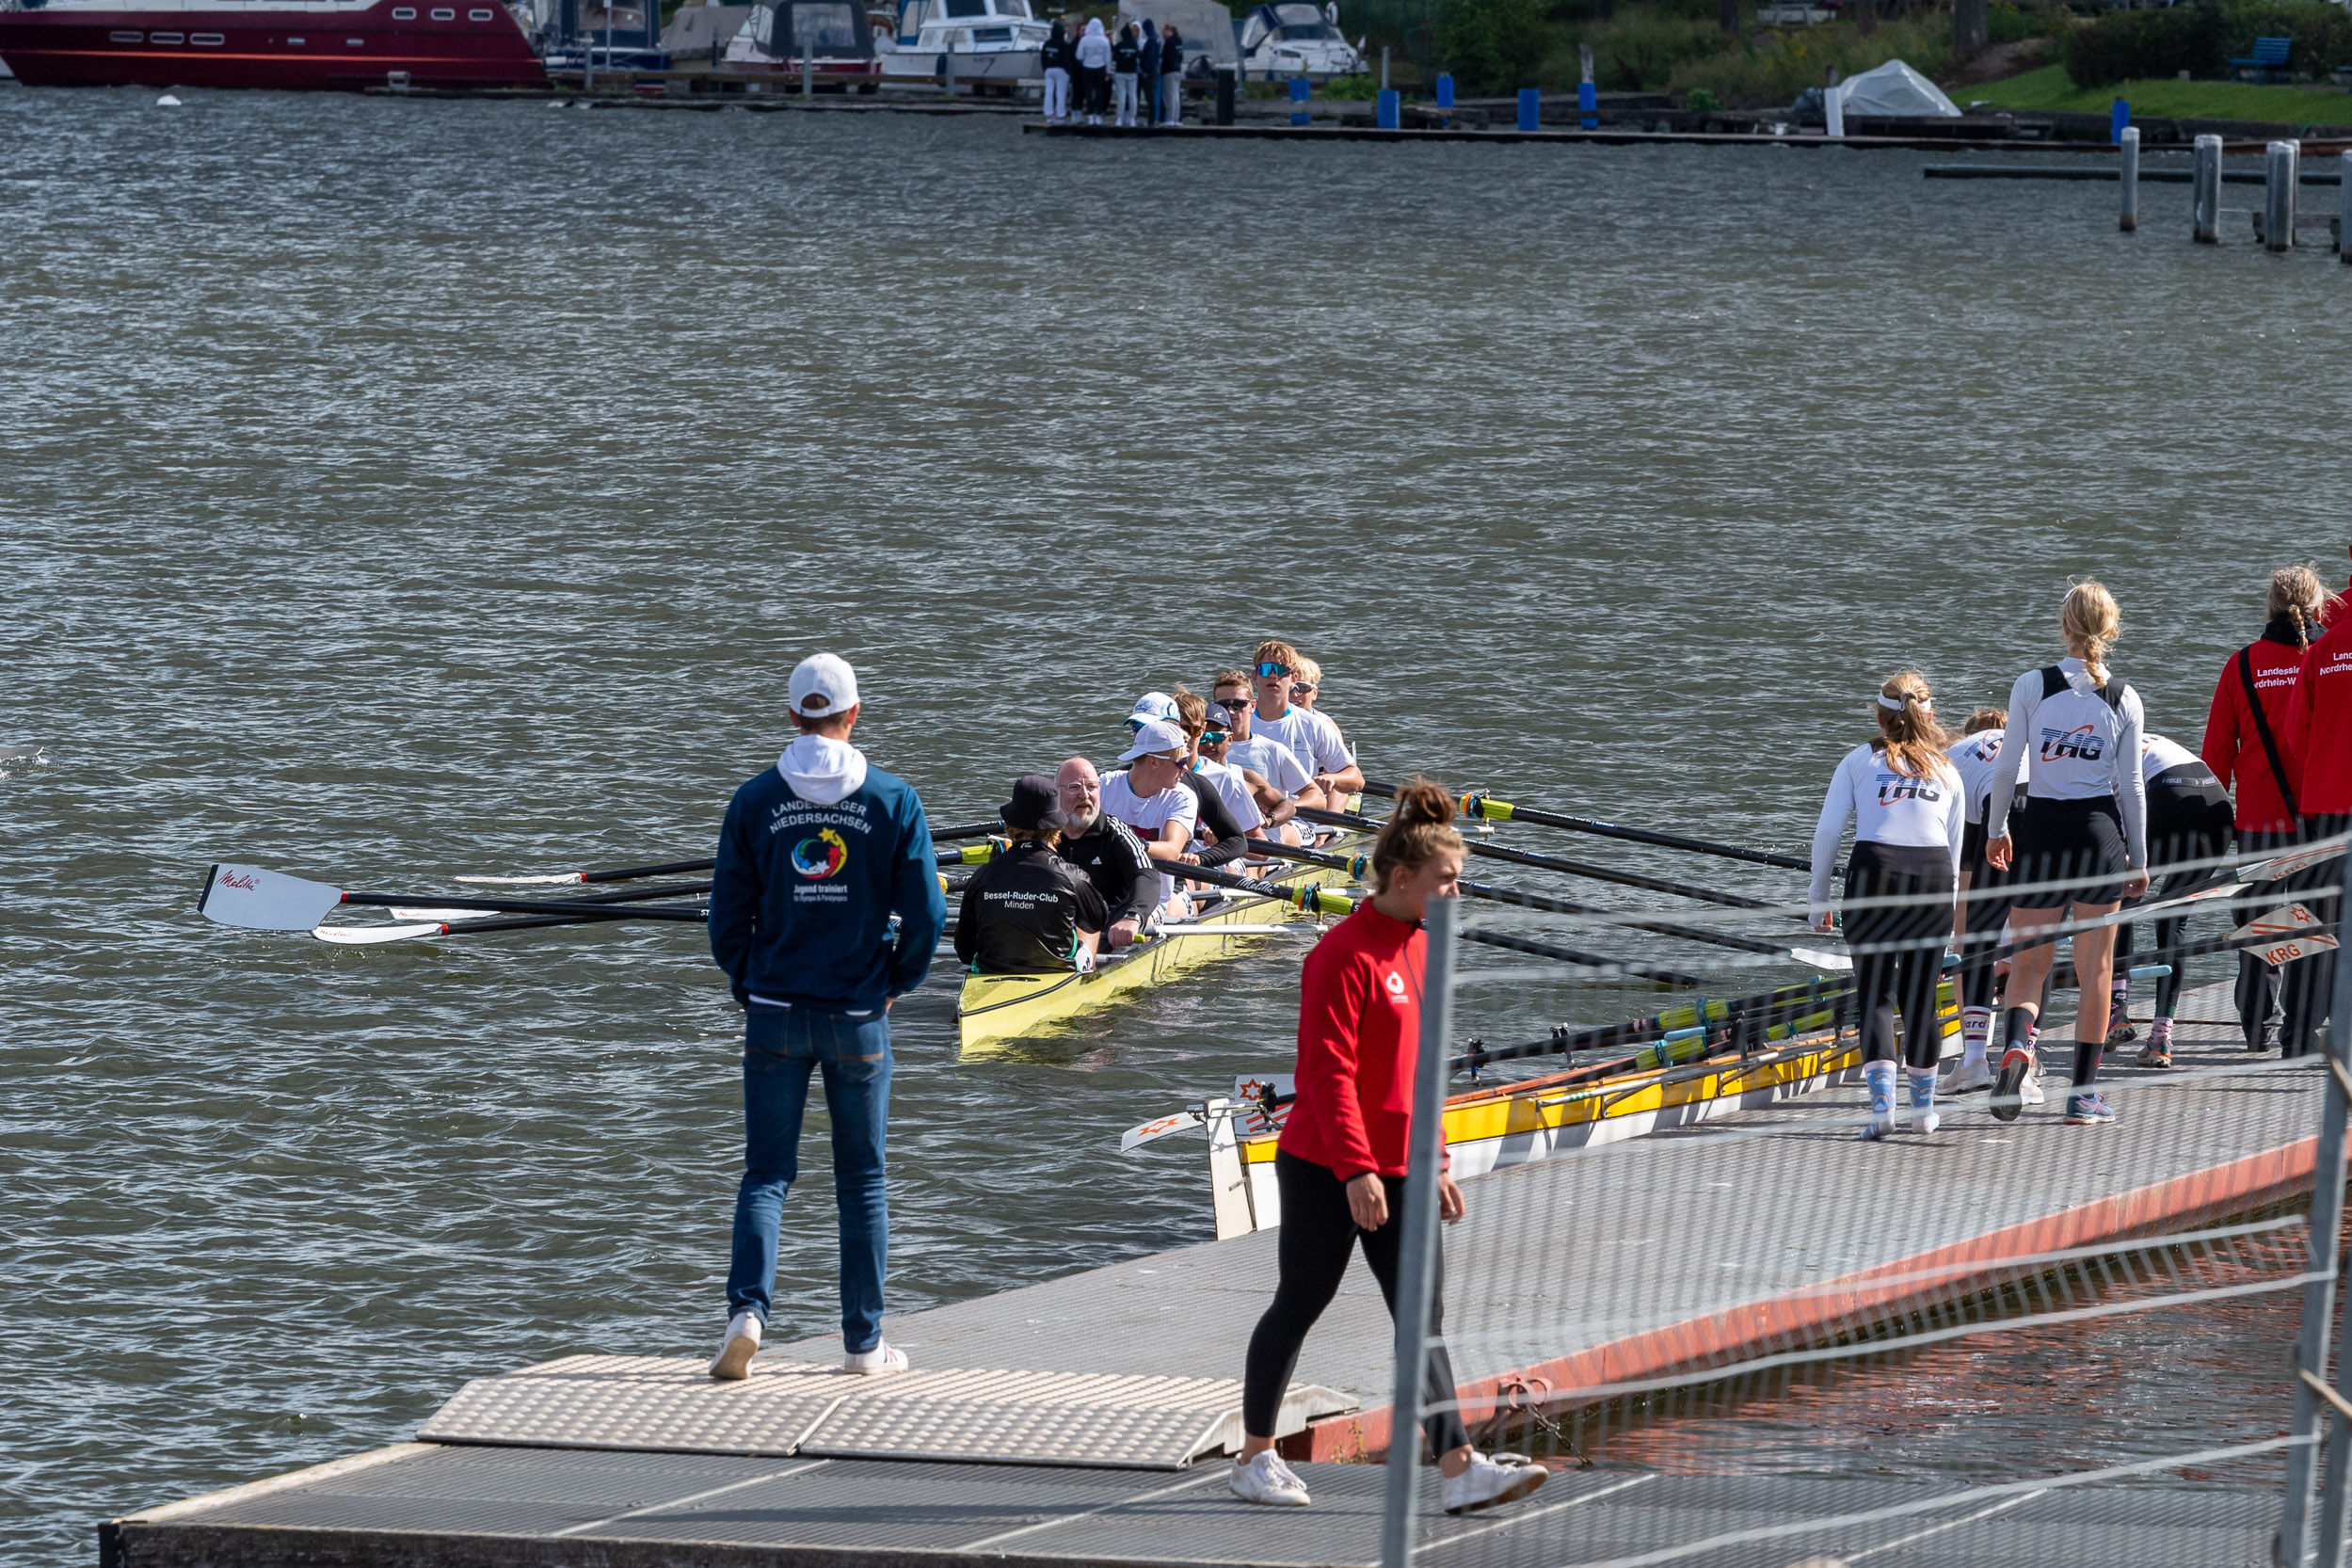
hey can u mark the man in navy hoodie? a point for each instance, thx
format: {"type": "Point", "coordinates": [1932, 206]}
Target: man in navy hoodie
{"type": "Point", "coordinates": [825, 904]}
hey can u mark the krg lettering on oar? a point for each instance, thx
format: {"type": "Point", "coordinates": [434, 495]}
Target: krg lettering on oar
{"type": "Point", "coordinates": [2082, 742]}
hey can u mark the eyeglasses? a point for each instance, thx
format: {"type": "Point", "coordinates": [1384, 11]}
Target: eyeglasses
{"type": "Point", "coordinates": [1267, 669]}
{"type": "Point", "coordinates": [1212, 737]}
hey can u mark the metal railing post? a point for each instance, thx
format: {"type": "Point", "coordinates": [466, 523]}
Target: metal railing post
{"type": "Point", "coordinates": [1418, 1255]}
{"type": "Point", "coordinates": [2319, 1296]}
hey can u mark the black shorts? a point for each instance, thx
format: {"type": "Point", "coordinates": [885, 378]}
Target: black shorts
{"type": "Point", "coordinates": [2188, 818]}
{"type": "Point", "coordinates": [2075, 845]}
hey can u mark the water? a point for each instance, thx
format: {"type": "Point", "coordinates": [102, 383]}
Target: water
{"type": "Point", "coordinates": [399, 489]}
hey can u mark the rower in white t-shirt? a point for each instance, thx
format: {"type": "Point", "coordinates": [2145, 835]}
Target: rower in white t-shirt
{"type": "Point", "coordinates": [1277, 777]}
{"type": "Point", "coordinates": [1313, 738]}
{"type": "Point", "coordinates": [1150, 797]}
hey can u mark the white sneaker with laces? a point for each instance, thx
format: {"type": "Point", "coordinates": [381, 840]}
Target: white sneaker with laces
{"type": "Point", "coordinates": [1489, 1483]}
{"type": "Point", "coordinates": [884, 1357]}
{"type": "Point", "coordinates": [1965, 1077]}
{"type": "Point", "coordinates": [733, 1362]}
{"type": "Point", "coordinates": [1267, 1480]}
{"type": "Point", "coordinates": [2030, 1091]}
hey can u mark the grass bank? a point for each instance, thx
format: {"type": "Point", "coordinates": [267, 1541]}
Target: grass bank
{"type": "Point", "coordinates": [2167, 98]}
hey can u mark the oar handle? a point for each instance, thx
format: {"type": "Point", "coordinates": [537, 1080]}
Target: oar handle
{"type": "Point", "coordinates": [1481, 807]}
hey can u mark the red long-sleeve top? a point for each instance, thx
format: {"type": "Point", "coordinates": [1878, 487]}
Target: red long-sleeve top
{"type": "Point", "coordinates": [2319, 731]}
{"type": "Point", "coordinates": [2234, 747]}
{"type": "Point", "coordinates": [1359, 1036]}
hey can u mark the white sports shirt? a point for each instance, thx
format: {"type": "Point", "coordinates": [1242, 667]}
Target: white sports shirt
{"type": "Point", "coordinates": [1148, 815]}
{"type": "Point", "coordinates": [1886, 808]}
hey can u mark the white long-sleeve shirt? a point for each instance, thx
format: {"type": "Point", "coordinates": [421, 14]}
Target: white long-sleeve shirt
{"type": "Point", "coordinates": [1886, 808]}
{"type": "Point", "coordinates": [2075, 740]}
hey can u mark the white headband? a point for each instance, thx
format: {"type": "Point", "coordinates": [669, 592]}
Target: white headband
{"type": "Point", "coordinates": [1897, 705]}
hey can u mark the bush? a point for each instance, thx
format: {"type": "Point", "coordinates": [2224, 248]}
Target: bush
{"type": "Point", "coordinates": [2202, 38]}
{"type": "Point", "coordinates": [2005, 24]}
{"type": "Point", "coordinates": [1639, 49]}
{"type": "Point", "coordinates": [1491, 46]}
{"type": "Point", "coordinates": [1700, 100]}
{"type": "Point", "coordinates": [1752, 74]}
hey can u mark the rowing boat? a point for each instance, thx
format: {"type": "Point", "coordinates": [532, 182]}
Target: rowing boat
{"type": "Point", "coordinates": [1665, 1086]}
{"type": "Point", "coordinates": [995, 1009]}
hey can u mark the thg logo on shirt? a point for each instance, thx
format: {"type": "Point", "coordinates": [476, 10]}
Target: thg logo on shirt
{"type": "Point", "coordinates": [2081, 742]}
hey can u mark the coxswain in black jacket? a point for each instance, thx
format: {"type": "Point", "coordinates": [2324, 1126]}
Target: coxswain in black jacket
{"type": "Point", "coordinates": [1121, 868]}
{"type": "Point", "coordinates": [1029, 911]}
{"type": "Point", "coordinates": [1216, 822]}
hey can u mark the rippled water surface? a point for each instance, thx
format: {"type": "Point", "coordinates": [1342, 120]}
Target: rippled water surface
{"type": "Point", "coordinates": [390, 490]}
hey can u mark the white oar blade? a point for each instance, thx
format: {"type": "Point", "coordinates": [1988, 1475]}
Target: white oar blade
{"type": "Point", "coordinates": [1136, 1137]}
{"type": "Point", "coordinates": [2289, 922]}
{"type": "Point", "coordinates": [450, 917]}
{"type": "Point", "coordinates": [2288, 949]}
{"type": "Point", "coordinates": [1835, 962]}
{"type": "Point", "coordinates": [371, 935]}
{"type": "Point", "coordinates": [2287, 864]}
{"type": "Point", "coordinates": [260, 900]}
{"type": "Point", "coordinates": [562, 880]}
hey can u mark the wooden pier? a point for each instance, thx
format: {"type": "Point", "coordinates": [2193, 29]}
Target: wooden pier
{"type": "Point", "coordinates": [1079, 1420]}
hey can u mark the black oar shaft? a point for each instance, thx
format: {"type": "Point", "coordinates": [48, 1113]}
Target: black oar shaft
{"type": "Point", "coordinates": [1481, 807]}
{"type": "Point", "coordinates": [1573, 955]}
{"type": "Point", "coordinates": [631, 874]}
{"type": "Point", "coordinates": [606, 911]}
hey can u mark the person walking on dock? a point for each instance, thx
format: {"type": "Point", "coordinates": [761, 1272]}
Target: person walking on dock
{"type": "Point", "coordinates": [1984, 910]}
{"type": "Point", "coordinates": [1909, 812]}
{"type": "Point", "coordinates": [2245, 746]}
{"type": "Point", "coordinates": [1093, 70]}
{"type": "Point", "coordinates": [2189, 825]}
{"type": "Point", "coordinates": [2319, 746]}
{"type": "Point", "coordinates": [1171, 75]}
{"type": "Point", "coordinates": [1341, 1162]}
{"type": "Point", "coordinates": [1127, 56]}
{"type": "Point", "coordinates": [816, 857]}
{"type": "Point", "coordinates": [1057, 57]}
{"type": "Point", "coordinates": [2082, 846]}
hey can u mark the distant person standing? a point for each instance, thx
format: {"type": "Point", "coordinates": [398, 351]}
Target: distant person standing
{"type": "Point", "coordinates": [1126, 58]}
{"type": "Point", "coordinates": [1057, 57]}
{"type": "Point", "coordinates": [1171, 75]}
{"type": "Point", "coordinates": [1148, 80]}
{"type": "Point", "coordinates": [816, 856]}
{"type": "Point", "coordinates": [1093, 70]}
{"type": "Point", "coordinates": [2319, 745]}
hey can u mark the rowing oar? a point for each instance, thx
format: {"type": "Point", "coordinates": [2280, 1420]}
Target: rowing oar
{"type": "Point", "coordinates": [433, 925]}
{"type": "Point", "coordinates": [1554, 863]}
{"type": "Point", "coordinates": [1319, 900]}
{"type": "Point", "coordinates": [1777, 1009]}
{"type": "Point", "coordinates": [261, 900]}
{"type": "Point", "coordinates": [679, 868]}
{"type": "Point", "coordinates": [1354, 866]}
{"type": "Point", "coordinates": [1481, 807]}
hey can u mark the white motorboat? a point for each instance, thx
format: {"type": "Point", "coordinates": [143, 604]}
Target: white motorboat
{"type": "Point", "coordinates": [1292, 38]}
{"type": "Point", "coordinates": [832, 34]}
{"type": "Point", "coordinates": [988, 45]}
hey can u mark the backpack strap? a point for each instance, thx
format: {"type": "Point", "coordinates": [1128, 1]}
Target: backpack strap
{"type": "Point", "coordinates": [2052, 681]}
{"type": "Point", "coordinates": [2262, 728]}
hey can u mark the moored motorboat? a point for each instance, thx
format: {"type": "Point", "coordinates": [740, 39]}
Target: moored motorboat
{"type": "Point", "coordinates": [986, 45]}
{"type": "Point", "coordinates": [831, 38]}
{"type": "Point", "coordinates": [304, 44]}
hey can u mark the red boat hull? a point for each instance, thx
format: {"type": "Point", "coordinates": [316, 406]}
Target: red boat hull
{"type": "Point", "coordinates": [319, 47]}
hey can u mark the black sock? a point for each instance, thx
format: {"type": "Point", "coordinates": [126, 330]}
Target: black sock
{"type": "Point", "coordinates": [2085, 1064]}
{"type": "Point", "coordinates": [2016, 1030]}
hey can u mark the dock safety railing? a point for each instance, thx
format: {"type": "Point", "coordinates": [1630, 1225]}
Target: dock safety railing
{"type": "Point", "coordinates": [1683, 1261]}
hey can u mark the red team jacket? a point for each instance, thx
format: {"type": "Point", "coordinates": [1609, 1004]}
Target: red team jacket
{"type": "Point", "coordinates": [2322, 724]}
{"type": "Point", "coordinates": [2234, 747]}
{"type": "Point", "coordinates": [1359, 1035]}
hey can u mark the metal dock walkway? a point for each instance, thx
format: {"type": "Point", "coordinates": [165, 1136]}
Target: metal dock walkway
{"type": "Point", "coordinates": [1636, 1261]}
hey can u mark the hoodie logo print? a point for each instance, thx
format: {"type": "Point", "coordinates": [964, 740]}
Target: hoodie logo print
{"type": "Point", "coordinates": [821, 856]}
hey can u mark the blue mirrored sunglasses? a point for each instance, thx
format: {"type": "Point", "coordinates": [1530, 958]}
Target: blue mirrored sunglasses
{"type": "Point", "coordinates": [1267, 669]}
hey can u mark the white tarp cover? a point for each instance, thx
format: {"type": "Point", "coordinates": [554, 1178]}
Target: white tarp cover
{"type": "Point", "coordinates": [1896, 89]}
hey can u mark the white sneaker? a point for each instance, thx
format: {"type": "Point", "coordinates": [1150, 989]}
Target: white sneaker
{"type": "Point", "coordinates": [884, 1357]}
{"type": "Point", "coordinates": [1965, 1077]}
{"type": "Point", "coordinates": [1491, 1482]}
{"type": "Point", "coordinates": [2030, 1091]}
{"type": "Point", "coordinates": [1266, 1479]}
{"type": "Point", "coordinates": [733, 1362]}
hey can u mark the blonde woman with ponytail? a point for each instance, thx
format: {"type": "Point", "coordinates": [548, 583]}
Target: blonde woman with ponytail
{"type": "Point", "coordinates": [1910, 813]}
{"type": "Point", "coordinates": [2248, 745]}
{"type": "Point", "coordinates": [1341, 1165]}
{"type": "Point", "coordinates": [2081, 848]}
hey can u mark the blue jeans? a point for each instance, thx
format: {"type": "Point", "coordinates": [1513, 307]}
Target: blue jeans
{"type": "Point", "coordinates": [780, 1045]}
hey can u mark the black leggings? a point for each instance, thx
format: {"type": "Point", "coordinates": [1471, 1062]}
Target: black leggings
{"type": "Point", "coordinates": [1311, 1252]}
{"type": "Point", "coordinates": [1988, 912]}
{"type": "Point", "coordinates": [1902, 978]}
{"type": "Point", "coordinates": [2185, 822]}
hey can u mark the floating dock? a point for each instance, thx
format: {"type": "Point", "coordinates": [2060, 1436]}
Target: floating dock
{"type": "Point", "coordinates": [1077, 1420]}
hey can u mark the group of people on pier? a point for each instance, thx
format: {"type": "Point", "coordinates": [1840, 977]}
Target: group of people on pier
{"type": "Point", "coordinates": [1138, 71]}
{"type": "Point", "coordinates": [2061, 806]}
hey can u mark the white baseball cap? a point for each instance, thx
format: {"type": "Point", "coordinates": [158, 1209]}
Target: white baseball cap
{"type": "Point", "coordinates": [822, 685]}
{"type": "Point", "coordinates": [1150, 706]}
{"type": "Point", "coordinates": [1156, 736]}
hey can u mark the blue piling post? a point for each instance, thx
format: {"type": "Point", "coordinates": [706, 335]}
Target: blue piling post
{"type": "Point", "coordinates": [1445, 91]}
{"type": "Point", "coordinates": [1298, 90]}
{"type": "Point", "coordinates": [2118, 116]}
{"type": "Point", "coordinates": [1589, 99]}
{"type": "Point", "coordinates": [1391, 117]}
{"type": "Point", "coordinates": [1530, 108]}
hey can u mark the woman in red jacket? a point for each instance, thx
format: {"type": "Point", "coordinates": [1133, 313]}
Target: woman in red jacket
{"type": "Point", "coordinates": [2248, 746]}
{"type": "Point", "coordinates": [1341, 1162]}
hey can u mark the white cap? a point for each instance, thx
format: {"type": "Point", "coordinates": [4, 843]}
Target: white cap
{"type": "Point", "coordinates": [1150, 706]}
{"type": "Point", "coordinates": [822, 685]}
{"type": "Point", "coordinates": [1156, 736]}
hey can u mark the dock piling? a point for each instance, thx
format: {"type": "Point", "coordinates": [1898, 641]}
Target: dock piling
{"type": "Point", "coordinates": [1383, 67]}
{"type": "Point", "coordinates": [1833, 107]}
{"type": "Point", "coordinates": [1418, 1248]}
{"type": "Point", "coordinates": [1588, 96]}
{"type": "Point", "coordinates": [1300, 91]}
{"type": "Point", "coordinates": [1225, 93]}
{"type": "Point", "coordinates": [2343, 210]}
{"type": "Point", "coordinates": [809, 74]}
{"type": "Point", "coordinates": [2282, 175]}
{"type": "Point", "coordinates": [1530, 108]}
{"type": "Point", "coordinates": [2205, 192]}
{"type": "Point", "coordinates": [1391, 112]}
{"type": "Point", "coordinates": [2127, 214]}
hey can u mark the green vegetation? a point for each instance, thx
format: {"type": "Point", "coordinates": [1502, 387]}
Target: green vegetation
{"type": "Point", "coordinates": [2202, 38]}
{"type": "Point", "coordinates": [2168, 98]}
{"type": "Point", "coordinates": [1491, 46]}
